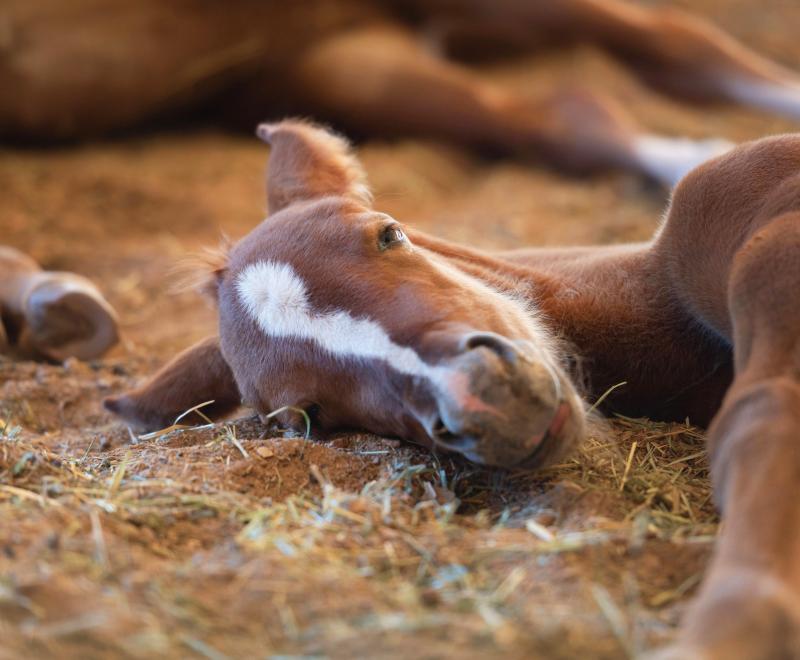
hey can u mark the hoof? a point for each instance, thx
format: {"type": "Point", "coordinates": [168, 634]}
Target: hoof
{"type": "Point", "coordinates": [66, 316]}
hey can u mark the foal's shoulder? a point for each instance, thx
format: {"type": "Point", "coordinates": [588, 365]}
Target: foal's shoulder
{"type": "Point", "coordinates": [732, 190]}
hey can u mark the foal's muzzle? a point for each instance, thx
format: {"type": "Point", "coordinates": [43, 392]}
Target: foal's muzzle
{"type": "Point", "coordinates": [498, 402]}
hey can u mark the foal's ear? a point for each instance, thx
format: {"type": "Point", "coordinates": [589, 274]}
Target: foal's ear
{"type": "Point", "coordinates": [197, 375]}
{"type": "Point", "coordinates": [307, 161]}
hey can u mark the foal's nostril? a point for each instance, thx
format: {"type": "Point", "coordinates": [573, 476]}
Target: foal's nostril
{"type": "Point", "coordinates": [495, 343]}
{"type": "Point", "coordinates": [440, 430]}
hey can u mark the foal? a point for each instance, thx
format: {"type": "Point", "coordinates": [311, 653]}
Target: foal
{"type": "Point", "coordinates": [331, 306]}
{"type": "Point", "coordinates": [87, 67]}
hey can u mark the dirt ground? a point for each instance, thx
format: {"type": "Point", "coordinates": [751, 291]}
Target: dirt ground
{"type": "Point", "coordinates": [231, 541]}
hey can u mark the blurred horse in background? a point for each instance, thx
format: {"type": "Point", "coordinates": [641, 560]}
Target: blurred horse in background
{"type": "Point", "coordinates": [91, 67]}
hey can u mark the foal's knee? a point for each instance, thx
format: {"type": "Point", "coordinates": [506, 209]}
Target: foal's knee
{"type": "Point", "coordinates": [758, 420]}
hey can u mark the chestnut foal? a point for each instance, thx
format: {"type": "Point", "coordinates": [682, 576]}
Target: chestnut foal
{"type": "Point", "coordinates": [334, 307]}
{"type": "Point", "coordinates": [86, 67]}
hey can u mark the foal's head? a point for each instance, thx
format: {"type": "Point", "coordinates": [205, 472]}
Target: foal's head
{"type": "Point", "coordinates": [329, 306]}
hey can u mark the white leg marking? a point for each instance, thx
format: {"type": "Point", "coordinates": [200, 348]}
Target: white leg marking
{"type": "Point", "coordinates": [669, 159]}
{"type": "Point", "coordinates": [783, 99]}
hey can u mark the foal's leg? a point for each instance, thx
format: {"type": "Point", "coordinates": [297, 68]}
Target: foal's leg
{"type": "Point", "coordinates": [749, 606]}
{"type": "Point", "coordinates": [381, 80]}
{"type": "Point", "coordinates": [55, 315]}
{"type": "Point", "coordinates": [670, 49]}
{"type": "Point", "coordinates": [3, 336]}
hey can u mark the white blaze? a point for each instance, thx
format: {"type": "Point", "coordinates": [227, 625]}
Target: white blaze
{"type": "Point", "coordinates": [276, 298]}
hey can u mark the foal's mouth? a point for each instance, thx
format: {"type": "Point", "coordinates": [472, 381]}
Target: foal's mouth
{"type": "Point", "coordinates": [551, 434]}
{"type": "Point", "coordinates": [469, 445]}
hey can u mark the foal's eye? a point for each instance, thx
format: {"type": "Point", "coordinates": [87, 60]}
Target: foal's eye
{"type": "Point", "coordinates": [389, 236]}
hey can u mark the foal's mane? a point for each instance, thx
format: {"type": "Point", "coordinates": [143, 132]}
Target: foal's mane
{"type": "Point", "coordinates": [202, 270]}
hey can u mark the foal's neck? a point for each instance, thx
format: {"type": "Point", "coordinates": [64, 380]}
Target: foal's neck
{"type": "Point", "coordinates": [618, 317]}
{"type": "Point", "coordinates": [506, 275]}
{"type": "Point", "coordinates": [549, 277]}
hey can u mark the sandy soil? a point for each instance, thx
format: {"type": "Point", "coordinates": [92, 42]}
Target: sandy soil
{"type": "Point", "coordinates": [234, 542]}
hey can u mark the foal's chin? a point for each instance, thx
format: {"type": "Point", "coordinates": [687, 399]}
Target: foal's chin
{"type": "Point", "coordinates": [533, 448]}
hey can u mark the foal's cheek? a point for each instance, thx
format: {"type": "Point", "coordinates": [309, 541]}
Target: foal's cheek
{"type": "Point", "coordinates": [246, 353]}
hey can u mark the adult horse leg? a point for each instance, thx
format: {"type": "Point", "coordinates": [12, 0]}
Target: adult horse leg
{"type": "Point", "coordinates": [382, 80]}
{"type": "Point", "coordinates": [672, 50]}
{"type": "Point", "coordinates": [3, 335]}
{"type": "Point", "coordinates": [749, 605]}
{"type": "Point", "coordinates": [84, 68]}
{"type": "Point", "coordinates": [53, 314]}
{"type": "Point", "coordinates": [687, 56]}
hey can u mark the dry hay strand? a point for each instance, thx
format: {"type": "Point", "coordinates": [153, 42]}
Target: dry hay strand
{"type": "Point", "coordinates": [431, 543]}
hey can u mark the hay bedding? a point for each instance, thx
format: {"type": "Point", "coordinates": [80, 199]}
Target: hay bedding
{"type": "Point", "coordinates": [231, 541]}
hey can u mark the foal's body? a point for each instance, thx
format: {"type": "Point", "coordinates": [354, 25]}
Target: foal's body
{"type": "Point", "coordinates": [87, 67]}
{"type": "Point", "coordinates": [327, 305]}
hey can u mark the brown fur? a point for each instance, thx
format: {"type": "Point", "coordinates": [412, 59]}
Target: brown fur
{"type": "Point", "coordinates": [201, 272]}
{"type": "Point", "coordinates": [16, 269]}
{"type": "Point", "coordinates": [88, 67]}
{"type": "Point", "coordinates": [197, 375]}
{"type": "Point", "coordinates": [706, 310]}
{"type": "Point", "coordinates": [667, 48]}
{"type": "Point", "coordinates": [3, 334]}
